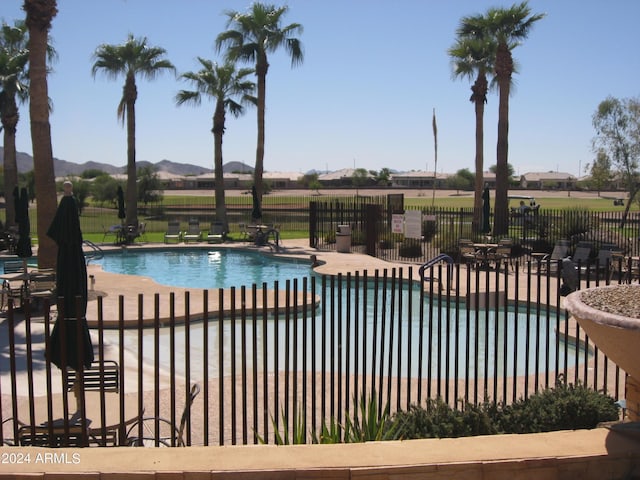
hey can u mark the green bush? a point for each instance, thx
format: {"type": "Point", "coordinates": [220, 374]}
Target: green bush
{"type": "Point", "coordinates": [439, 420]}
{"type": "Point", "coordinates": [565, 407]}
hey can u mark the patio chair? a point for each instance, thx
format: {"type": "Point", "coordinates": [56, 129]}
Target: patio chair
{"type": "Point", "coordinates": [502, 253]}
{"type": "Point", "coordinates": [142, 231]}
{"type": "Point", "coordinates": [173, 233]}
{"type": "Point", "coordinates": [549, 263]}
{"type": "Point", "coordinates": [468, 252]}
{"type": "Point", "coordinates": [14, 289]}
{"type": "Point", "coordinates": [581, 256]}
{"type": "Point", "coordinates": [244, 233]}
{"type": "Point", "coordinates": [112, 231]}
{"type": "Point", "coordinates": [216, 233]}
{"type": "Point", "coordinates": [42, 285]}
{"type": "Point", "coordinates": [99, 377]}
{"type": "Point", "coordinates": [167, 436]}
{"type": "Point", "coordinates": [58, 435]}
{"type": "Point", "coordinates": [193, 233]}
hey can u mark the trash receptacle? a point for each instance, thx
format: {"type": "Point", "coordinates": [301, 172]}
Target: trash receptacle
{"type": "Point", "coordinates": [343, 239]}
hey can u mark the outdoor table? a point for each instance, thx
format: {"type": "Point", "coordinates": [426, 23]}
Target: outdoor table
{"type": "Point", "coordinates": [484, 249]}
{"type": "Point", "coordinates": [538, 257]}
{"type": "Point", "coordinates": [93, 415]}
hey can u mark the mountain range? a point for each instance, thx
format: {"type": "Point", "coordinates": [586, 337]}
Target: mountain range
{"type": "Point", "coordinates": [63, 168]}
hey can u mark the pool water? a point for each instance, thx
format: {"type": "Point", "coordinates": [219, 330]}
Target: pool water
{"type": "Point", "coordinates": [207, 269]}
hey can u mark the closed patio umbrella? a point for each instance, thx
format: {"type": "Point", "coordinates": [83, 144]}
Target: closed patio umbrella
{"type": "Point", "coordinates": [23, 247]}
{"type": "Point", "coordinates": [71, 289]}
{"type": "Point", "coordinates": [486, 211]}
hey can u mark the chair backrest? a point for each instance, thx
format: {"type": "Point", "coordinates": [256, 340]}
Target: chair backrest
{"type": "Point", "coordinates": [581, 255]}
{"type": "Point", "coordinates": [560, 251]}
{"type": "Point", "coordinates": [217, 228]}
{"type": "Point", "coordinates": [142, 228]}
{"type": "Point", "coordinates": [605, 255]}
{"type": "Point", "coordinates": [12, 266]}
{"type": "Point", "coordinates": [173, 227]}
{"type": "Point", "coordinates": [194, 227]}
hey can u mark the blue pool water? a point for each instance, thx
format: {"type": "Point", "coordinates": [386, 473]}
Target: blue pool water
{"type": "Point", "coordinates": [198, 268]}
{"type": "Point", "coordinates": [475, 333]}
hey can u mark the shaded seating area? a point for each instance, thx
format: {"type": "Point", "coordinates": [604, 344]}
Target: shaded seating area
{"type": "Point", "coordinates": [216, 233]}
{"type": "Point", "coordinates": [193, 232]}
{"type": "Point", "coordinates": [173, 233]}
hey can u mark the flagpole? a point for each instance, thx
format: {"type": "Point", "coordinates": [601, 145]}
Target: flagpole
{"type": "Point", "coordinates": [435, 164]}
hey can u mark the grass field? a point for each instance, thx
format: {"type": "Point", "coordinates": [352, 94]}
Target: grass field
{"type": "Point", "coordinates": [95, 219]}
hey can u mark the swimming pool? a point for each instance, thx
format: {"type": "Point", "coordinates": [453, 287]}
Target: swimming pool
{"type": "Point", "coordinates": [199, 268]}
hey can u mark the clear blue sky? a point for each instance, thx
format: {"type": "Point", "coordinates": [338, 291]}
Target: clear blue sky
{"type": "Point", "coordinates": [373, 73]}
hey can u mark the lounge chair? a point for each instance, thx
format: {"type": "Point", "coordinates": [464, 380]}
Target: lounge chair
{"type": "Point", "coordinates": [582, 255]}
{"type": "Point", "coordinates": [549, 263]}
{"type": "Point", "coordinates": [193, 233]}
{"type": "Point", "coordinates": [216, 233]}
{"type": "Point", "coordinates": [173, 234]}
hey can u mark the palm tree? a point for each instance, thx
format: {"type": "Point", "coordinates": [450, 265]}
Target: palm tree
{"type": "Point", "coordinates": [474, 57]}
{"type": "Point", "coordinates": [132, 58]}
{"type": "Point", "coordinates": [40, 13]}
{"type": "Point", "coordinates": [14, 89]}
{"type": "Point", "coordinates": [250, 37]}
{"type": "Point", "coordinates": [508, 27]}
{"type": "Point", "coordinates": [231, 90]}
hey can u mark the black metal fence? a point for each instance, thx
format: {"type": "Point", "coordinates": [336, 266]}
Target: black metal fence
{"type": "Point", "coordinates": [372, 221]}
{"type": "Point", "coordinates": [461, 334]}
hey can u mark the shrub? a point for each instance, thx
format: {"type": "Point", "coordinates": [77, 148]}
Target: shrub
{"type": "Point", "coordinates": [565, 407]}
{"type": "Point", "coordinates": [439, 420]}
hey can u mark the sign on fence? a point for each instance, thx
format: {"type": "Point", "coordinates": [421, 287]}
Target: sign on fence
{"type": "Point", "coordinates": [413, 224]}
{"type": "Point", "coordinates": [397, 223]}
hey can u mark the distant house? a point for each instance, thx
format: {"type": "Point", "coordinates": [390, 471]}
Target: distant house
{"type": "Point", "coordinates": [419, 179]}
{"type": "Point", "coordinates": [548, 181]}
{"type": "Point", "coordinates": [339, 178]}
{"type": "Point", "coordinates": [282, 180]}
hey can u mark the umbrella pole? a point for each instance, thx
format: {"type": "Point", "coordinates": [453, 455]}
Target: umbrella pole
{"type": "Point", "coordinates": [76, 392]}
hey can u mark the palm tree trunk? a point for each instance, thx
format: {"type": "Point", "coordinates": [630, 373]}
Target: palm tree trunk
{"type": "Point", "coordinates": [10, 167]}
{"type": "Point", "coordinates": [39, 16]}
{"type": "Point", "coordinates": [261, 72]}
{"type": "Point", "coordinates": [479, 97]}
{"type": "Point", "coordinates": [504, 68]}
{"type": "Point", "coordinates": [218, 132]}
{"type": "Point", "coordinates": [132, 188]}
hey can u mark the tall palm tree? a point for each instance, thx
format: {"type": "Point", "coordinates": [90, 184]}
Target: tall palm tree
{"type": "Point", "coordinates": [509, 27]}
{"type": "Point", "coordinates": [40, 14]}
{"type": "Point", "coordinates": [231, 90]}
{"type": "Point", "coordinates": [14, 89]}
{"type": "Point", "coordinates": [130, 59]}
{"type": "Point", "coordinates": [474, 57]}
{"type": "Point", "coordinates": [251, 36]}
